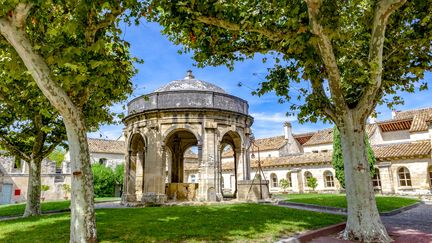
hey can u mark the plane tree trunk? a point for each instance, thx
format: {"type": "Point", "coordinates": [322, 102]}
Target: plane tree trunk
{"type": "Point", "coordinates": [33, 204]}
{"type": "Point", "coordinates": [364, 222]}
{"type": "Point", "coordinates": [83, 221]}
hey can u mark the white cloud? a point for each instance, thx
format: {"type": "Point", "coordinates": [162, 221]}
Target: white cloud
{"type": "Point", "coordinates": [278, 117]}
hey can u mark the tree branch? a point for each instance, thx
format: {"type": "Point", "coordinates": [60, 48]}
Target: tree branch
{"type": "Point", "coordinates": [14, 33]}
{"type": "Point", "coordinates": [327, 106]}
{"type": "Point", "coordinates": [19, 15]}
{"type": "Point", "coordinates": [13, 149]}
{"type": "Point", "coordinates": [272, 35]}
{"type": "Point", "coordinates": [325, 51]}
{"type": "Point", "coordinates": [376, 44]}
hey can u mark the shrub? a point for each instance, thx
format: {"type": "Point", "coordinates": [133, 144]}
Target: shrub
{"type": "Point", "coordinates": [103, 180]}
{"type": "Point", "coordinates": [312, 183]}
{"type": "Point", "coordinates": [283, 183]}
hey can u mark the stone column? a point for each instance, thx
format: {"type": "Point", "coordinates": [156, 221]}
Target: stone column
{"type": "Point", "coordinates": [218, 169]}
{"type": "Point", "coordinates": [386, 177]}
{"type": "Point", "coordinates": [241, 163]}
{"type": "Point", "coordinates": [154, 184]}
{"type": "Point", "coordinates": [139, 175]}
{"type": "Point", "coordinates": [207, 185]}
{"type": "Point", "coordinates": [131, 168]}
{"type": "Point", "coordinates": [296, 180]}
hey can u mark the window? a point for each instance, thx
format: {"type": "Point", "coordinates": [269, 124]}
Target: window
{"type": "Point", "coordinates": [314, 151]}
{"type": "Point", "coordinates": [376, 180]}
{"type": "Point", "coordinates": [328, 179]}
{"type": "Point", "coordinates": [288, 178]}
{"type": "Point", "coordinates": [404, 177]}
{"type": "Point", "coordinates": [193, 179]}
{"type": "Point", "coordinates": [58, 170]}
{"type": "Point", "coordinates": [269, 155]}
{"type": "Point", "coordinates": [307, 175]}
{"type": "Point", "coordinates": [58, 177]}
{"type": "Point", "coordinates": [324, 150]}
{"type": "Point", "coordinates": [102, 161]}
{"type": "Point", "coordinates": [430, 176]}
{"type": "Point", "coordinates": [274, 180]}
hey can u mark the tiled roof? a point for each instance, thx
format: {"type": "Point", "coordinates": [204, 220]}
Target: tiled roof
{"type": "Point", "coordinates": [401, 150]}
{"type": "Point", "coordinates": [419, 118]}
{"type": "Point", "coordinates": [106, 146]}
{"type": "Point", "coordinates": [382, 153]}
{"type": "Point", "coordinates": [326, 136]}
{"type": "Point", "coordinates": [271, 143]}
{"type": "Point", "coordinates": [304, 137]}
{"type": "Point", "coordinates": [321, 137]}
{"type": "Point", "coordinates": [409, 114]}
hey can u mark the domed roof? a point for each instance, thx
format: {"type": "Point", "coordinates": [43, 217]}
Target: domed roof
{"type": "Point", "coordinates": [190, 83]}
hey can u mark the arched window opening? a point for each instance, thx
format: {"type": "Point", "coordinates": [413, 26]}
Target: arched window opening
{"type": "Point", "coordinates": [190, 161]}
{"type": "Point", "coordinates": [404, 177]}
{"type": "Point", "coordinates": [274, 180]}
{"type": "Point", "coordinates": [288, 178]}
{"type": "Point", "coordinates": [328, 179]}
{"type": "Point", "coordinates": [376, 179]}
{"type": "Point", "coordinates": [307, 175]}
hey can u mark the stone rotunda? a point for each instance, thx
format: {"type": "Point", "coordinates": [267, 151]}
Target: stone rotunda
{"type": "Point", "coordinates": [163, 125]}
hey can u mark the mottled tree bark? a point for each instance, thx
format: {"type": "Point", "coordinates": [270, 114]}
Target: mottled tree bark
{"type": "Point", "coordinates": [364, 222]}
{"type": "Point", "coordinates": [83, 221]}
{"type": "Point", "coordinates": [33, 204]}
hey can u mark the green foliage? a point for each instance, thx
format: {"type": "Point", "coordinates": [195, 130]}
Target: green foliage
{"type": "Point", "coordinates": [104, 181]}
{"type": "Point", "coordinates": [83, 46]}
{"type": "Point", "coordinates": [384, 203]}
{"type": "Point", "coordinates": [119, 174]}
{"type": "Point", "coordinates": [126, 224]}
{"type": "Point", "coordinates": [224, 32]}
{"type": "Point", "coordinates": [312, 183]}
{"type": "Point", "coordinates": [284, 184]}
{"type": "Point", "coordinates": [57, 155]}
{"type": "Point", "coordinates": [44, 188]}
{"type": "Point", "coordinates": [337, 158]}
{"type": "Point", "coordinates": [66, 189]}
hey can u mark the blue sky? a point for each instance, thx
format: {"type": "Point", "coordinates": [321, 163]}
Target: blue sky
{"type": "Point", "coordinates": [162, 63]}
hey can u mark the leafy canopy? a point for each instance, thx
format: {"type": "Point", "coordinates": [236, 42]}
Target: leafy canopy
{"type": "Point", "coordinates": [29, 126]}
{"type": "Point", "coordinates": [82, 44]}
{"type": "Point", "coordinates": [224, 32]}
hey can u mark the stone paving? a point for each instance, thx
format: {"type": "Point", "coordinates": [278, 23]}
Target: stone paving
{"type": "Point", "coordinates": [413, 225]}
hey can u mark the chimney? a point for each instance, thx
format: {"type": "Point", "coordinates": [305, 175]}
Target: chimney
{"type": "Point", "coordinates": [394, 113]}
{"type": "Point", "coordinates": [287, 130]}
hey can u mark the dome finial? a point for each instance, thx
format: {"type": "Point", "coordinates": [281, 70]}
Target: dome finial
{"type": "Point", "coordinates": [189, 75]}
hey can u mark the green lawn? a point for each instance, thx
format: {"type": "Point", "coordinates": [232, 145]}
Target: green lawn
{"type": "Point", "coordinates": [235, 222]}
{"type": "Point", "coordinates": [384, 203]}
{"type": "Point", "coordinates": [18, 209]}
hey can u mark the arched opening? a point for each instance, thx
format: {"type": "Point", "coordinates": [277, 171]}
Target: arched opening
{"type": "Point", "coordinates": [289, 181]}
{"type": "Point", "coordinates": [274, 180]}
{"type": "Point", "coordinates": [307, 175]}
{"type": "Point", "coordinates": [190, 159]}
{"type": "Point", "coordinates": [404, 177]}
{"type": "Point", "coordinates": [328, 179]}
{"type": "Point", "coordinates": [230, 152]}
{"type": "Point", "coordinates": [430, 176]}
{"type": "Point", "coordinates": [376, 179]}
{"type": "Point", "coordinates": [181, 151]}
{"type": "Point", "coordinates": [135, 168]}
